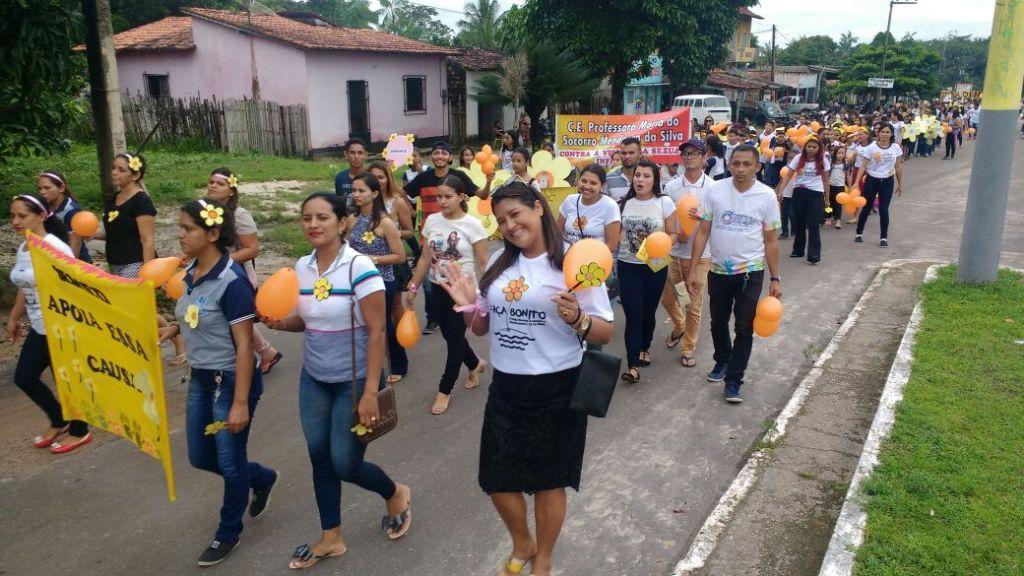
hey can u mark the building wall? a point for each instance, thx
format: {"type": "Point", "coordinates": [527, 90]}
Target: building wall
{"type": "Point", "coordinates": [473, 127]}
{"type": "Point", "coordinates": [740, 47]}
{"type": "Point", "coordinates": [328, 73]}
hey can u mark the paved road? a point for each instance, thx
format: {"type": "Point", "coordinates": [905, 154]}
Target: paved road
{"type": "Point", "coordinates": [654, 468]}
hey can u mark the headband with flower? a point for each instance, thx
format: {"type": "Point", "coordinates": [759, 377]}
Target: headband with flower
{"type": "Point", "coordinates": [211, 214]}
{"type": "Point", "coordinates": [231, 179]}
{"type": "Point", "coordinates": [134, 162]}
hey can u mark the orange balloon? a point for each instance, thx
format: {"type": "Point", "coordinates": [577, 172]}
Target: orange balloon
{"type": "Point", "coordinates": [484, 207]}
{"type": "Point", "coordinates": [815, 125]}
{"type": "Point", "coordinates": [849, 209]}
{"type": "Point", "coordinates": [803, 130]}
{"type": "Point", "coordinates": [658, 244]}
{"type": "Point", "coordinates": [85, 224]}
{"type": "Point", "coordinates": [717, 128]}
{"type": "Point", "coordinates": [495, 159]}
{"type": "Point", "coordinates": [587, 264]}
{"type": "Point", "coordinates": [486, 149]}
{"type": "Point", "coordinates": [488, 168]}
{"type": "Point", "coordinates": [780, 151]}
{"type": "Point", "coordinates": [278, 296]}
{"type": "Point", "coordinates": [859, 202]}
{"type": "Point", "coordinates": [480, 157]}
{"type": "Point", "coordinates": [408, 330]}
{"type": "Point", "coordinates": [843, 198]}
{"type": "Point", "coordinates": [159, 270]}
{"type": "Point", "coordinates": [683, 213]}
{"type": "Point", "coordinates": [763, 328]}
{"type": "Point", "coordinates": [175, 287]}
{"type": "Point", "coordinates": [801, 139]}
{"type": "Point", "coordinates": [769, 309]}
{"type": "Point", "coordinates": [791, 133]}
{"type": "Point", "coordinates": [785, 172]}
{"type": "Point", "coordinates": [854, 192]}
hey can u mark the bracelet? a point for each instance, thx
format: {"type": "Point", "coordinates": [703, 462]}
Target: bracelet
{"type": "Point", "coordinates": [580, 319]}
{"type": "Point", "coordinates": [579, 316]}
{"type": "Point", "coordinates": [776, 279]}
{"type": "Point", "coordinates": [478, 309]}
{"type": "Point", "coordinates": [412, 288]}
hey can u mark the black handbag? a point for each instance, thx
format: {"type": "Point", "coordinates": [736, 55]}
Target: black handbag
{"type": "Point", "coordinates": [595, 384]}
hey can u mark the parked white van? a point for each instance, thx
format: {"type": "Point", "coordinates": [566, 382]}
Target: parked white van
{"type": "Point", "coordinates": [702, 105]}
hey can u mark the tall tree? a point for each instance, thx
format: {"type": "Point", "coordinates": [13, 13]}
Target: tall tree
{"type": "Point", "coordinates": [479, 29]}
{"type": "Point", "coordinates": [40, 76]}
{"type": "Point", "coordinates": [963, 59]}
{"type": "Point", "coordinates": [912, 66]}
{"type": "Point", "coordinates": [808, 50]}
{"type": "Point", "coordinates": [847, 42]}
{"type": "Point", "coordinates": [131, 13]}
{"type": "Point", "coordinates": [347, 13]}
{"type": "Point", "coordinates": [415, 21]}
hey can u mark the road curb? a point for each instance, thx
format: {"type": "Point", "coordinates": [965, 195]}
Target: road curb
{"type": "Point", "coordinates": [707, 538]}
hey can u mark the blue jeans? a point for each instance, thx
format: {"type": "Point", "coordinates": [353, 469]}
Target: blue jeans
{"type": "Point", "coordinates": [223, 453]}
{"type": "Point", "coordinates": [327, 415]}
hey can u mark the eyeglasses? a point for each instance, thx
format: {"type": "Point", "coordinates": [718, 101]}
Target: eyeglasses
{"type": "Point", "coordinates": [690, 154]}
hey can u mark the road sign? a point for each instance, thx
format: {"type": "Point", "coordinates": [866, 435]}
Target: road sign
{"type": "Point", "coordinates": [880, 83]}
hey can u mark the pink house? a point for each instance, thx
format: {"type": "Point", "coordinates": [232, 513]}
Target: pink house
{"type": "Point", "coordinates": [353, 82]}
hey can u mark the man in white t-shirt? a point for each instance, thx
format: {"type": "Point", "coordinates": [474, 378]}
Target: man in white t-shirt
{"type": "Point", "coordinates": [686, 327]}
{"type": "Point", "coordinates": [740, 217]}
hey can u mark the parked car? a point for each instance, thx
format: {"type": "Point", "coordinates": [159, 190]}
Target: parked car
{"type": "Point", "coordinates": [794, 105]}
{"type": "Point", "coordinates": [765, 110]}
{"type": "Point", "coordinates": [703, 105]}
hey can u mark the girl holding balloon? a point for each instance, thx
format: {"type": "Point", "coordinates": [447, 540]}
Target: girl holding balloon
{"type": "Point", "coordinates": [648, 223]}
{"type": "Point", "coordinates": [30, 214]}
{"type": "Point", "coordinates": [60, 200]}
{"type": "Point", "coordinates": [222, 186]}
{"type": "Point", "coordinates": [335, 282]}
{"type": "Point", "coordinates": [532, 442]}
{"type": "Point", "coordinates": [881, 166]}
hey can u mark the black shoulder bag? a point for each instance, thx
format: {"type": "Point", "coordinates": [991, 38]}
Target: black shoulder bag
{"type": "Point", "coordinates": [595, 384]}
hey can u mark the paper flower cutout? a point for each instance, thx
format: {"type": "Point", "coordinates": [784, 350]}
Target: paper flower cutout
{"type": "Point", "coordinates": [233, 181]}
{"type": "Point", "coordinates": [550, 172]}
{"type": "Point", "coordinates": [369, 237]}
{"type": "Point", "coordinates": [212, 215]}
{"type": "Point", "coordinates": [134, 163]}
{"type": "Point", "coordinates": [515, 289]}
{"type": "Point", "coordinates": [590, 275]}
{"type": "Point", "coordinates": [322, 289]}
{"type": "Point", "coordinates": [214, 427]}
{"type": "Point", "coordinates": [828, 210]}
{"type": "Point", "coordinates": [360, 430]}
{"type": "Point", "coordinates": [192, 316]}
{"type": "Point", "coordinates": [399, 149]}
{"type": "Point", "coordinates": [112, 215]}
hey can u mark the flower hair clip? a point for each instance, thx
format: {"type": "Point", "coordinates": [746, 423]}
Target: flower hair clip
{"type": "Point", "coordinates": [233, 181]}
{"type": "Point", "coordinates": [211, 214]}
{"type": "Point", "coordinates": [134, 162]}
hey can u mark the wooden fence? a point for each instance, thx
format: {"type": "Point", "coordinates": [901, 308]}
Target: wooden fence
{"type": "Point", "coordinates": [230, 125]}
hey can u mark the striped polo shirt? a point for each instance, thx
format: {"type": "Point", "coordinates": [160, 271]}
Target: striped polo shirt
{"type": "Point", "coordinates": [209, 307]}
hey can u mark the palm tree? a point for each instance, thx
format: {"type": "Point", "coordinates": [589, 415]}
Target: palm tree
{"type": "Point", "coordinates": [479, 29]}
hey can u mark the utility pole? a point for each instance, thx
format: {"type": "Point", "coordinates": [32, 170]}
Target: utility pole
{"type": "Point", "coordinates": [106, 97]}
{"type": "Point", "coordinates": [885, 40]}
{"type": "Point", "coordinates": [773, 55]}
{"type": "Point", "coordinates": [985, 218]}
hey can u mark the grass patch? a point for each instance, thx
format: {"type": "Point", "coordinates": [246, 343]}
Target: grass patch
{"type": "Point", "coordinates": [948, 494]}
{"type": "Point", "coordinates": [290, 239]}
{"type": "Point", "coordinates": [171, 177]}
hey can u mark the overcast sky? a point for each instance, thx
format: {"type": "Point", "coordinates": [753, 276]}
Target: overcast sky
{"type": "Point", "coordinates": [865, 18]}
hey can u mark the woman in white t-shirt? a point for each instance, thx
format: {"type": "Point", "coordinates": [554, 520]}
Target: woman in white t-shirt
{"type": "Point", "coordinates": [222, 186]}
{"type": "Point", "coordinates": [645, 210]}
{"type": "Point", "coordinates": [589, 213]}
{"type": "Point", "coordinates": [532, 442]}
{"type": "Point", "coordinates": [29, 214]}
{"type": "Point", "coordinates": [450, 236]}
{"type": "Point", "coordinates": [810, 171]}
{"type": "Point", "coordinates": [881, 166]}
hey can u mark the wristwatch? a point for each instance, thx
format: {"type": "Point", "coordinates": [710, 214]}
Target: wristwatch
{"type": "Point", "coordinates": [585, 324]}
{"type": "Point", "coordinates": [776, 279]}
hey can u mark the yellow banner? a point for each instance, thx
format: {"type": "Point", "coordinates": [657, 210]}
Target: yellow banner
{"type": "Point", "coordinates": [102, 335]}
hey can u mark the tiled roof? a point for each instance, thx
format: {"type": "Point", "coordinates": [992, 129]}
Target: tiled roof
{"type": "Point", "coordinates": [173, 34]}
{"type": "Point", "coordinates": [319, 37]}
{"type": "Point", "coordinates": [744, 11]}
{"type": "Point", "coordinates": [479, 60]}
{"type": "Point", "coordinates": [722, 79]}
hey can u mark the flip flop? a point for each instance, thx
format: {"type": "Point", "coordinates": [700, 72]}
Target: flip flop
{"type": "Point", "coordinates": [439, 411]}
{"type": "Point", "coordinates": [65, 447]}
{"type": "Point", "coordinates": [304, 554]}
{"type": "Point", "coordinates": [673, 339]}
{"type": "Point", "coordinates": [395, 378]}
{"type": "Point", "coordinates": [644, 363]}
{"type": "Point", "coordinates": [515, 565]}
{"type": "Point", "coordinates": [398, 526]}
{"type": "Point", "coordinates": [266, 368]}
{"type": "Point", "coordinates": [628, 375]}
{"type": "Point", "coordinates": [176, 360]}
{"type": "Point", "coordinates": [474, 375]}
{"type": "Point", "coordinates": [687, 361]}
{"type": "Point", "coordinates": [46, 441]}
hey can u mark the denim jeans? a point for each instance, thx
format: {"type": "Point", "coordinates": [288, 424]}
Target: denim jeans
{"type": "Point", "coordinates": [224, 453]}
{"type": "Point", "coordinates": [327, 415]}
{"type": "Point", "coordinates": [734, 294]}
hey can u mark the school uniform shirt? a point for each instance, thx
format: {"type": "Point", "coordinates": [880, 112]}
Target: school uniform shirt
{"type": "Point", "coordinates": [124, 245]}
{"type": "Point", "coordinates": [582, 221]}
{"type": "Point", "coordinates": [640, 218]}
{"type": "Point", "coordinates": [617, 185]}
{"type": "Point", "coordinates": [527, 336]}
{"type": "Point", "coordinates": [425, 187]}
{"type": "Point", "coordinates": [66, 211]}
{"type": "Point", "coordinates": [325, 306]}
{"type": "Point", "coordinates": [738, 223]}
{"type": "Point", "coordinates": [24, 277]}
{"type": "Point", "coordinates": [676, 190]}
{"type": "Point", "coordinates": [837, 175]}
{"type": "Point", "coordinates": [881, 162]}
{"type": "Point", "coordinates": [452, 241]}
{"type": "Point", "coordinates": [245, 225]}
{"type": "Point", "coordinates": [808, 177]}
{"type": "Point", "coordinates": [210, 306]}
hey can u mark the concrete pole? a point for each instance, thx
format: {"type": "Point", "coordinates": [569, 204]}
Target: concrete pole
{"type": "Point", "coordinates": [106, 97]}
{"type": "Point", "coordinates": [993, 154]}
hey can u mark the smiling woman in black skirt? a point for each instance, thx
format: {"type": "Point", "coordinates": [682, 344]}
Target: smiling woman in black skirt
{"type": "Point", "coordinates": [531, 443]}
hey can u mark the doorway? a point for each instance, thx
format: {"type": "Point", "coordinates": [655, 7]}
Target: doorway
{"type": "Point", "coordinates": [359, 110]}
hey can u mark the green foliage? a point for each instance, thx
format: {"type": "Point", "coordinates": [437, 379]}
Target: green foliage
{"type": "Point", "coordinates": [912, 65]}
{"type": "Point", "coordinates": [963, 59]}
{"type": "Point", "coordinates": [40, 76]}
{"type": "Point", "coordinates": [347, 13]}
{"type": "Point", "coordinates": [416, 21]}
{"type": "Point", "coordinates": [290, 238]}
{"type": "Point", "coordinates": [131, 13]}
{"type": "Point", "coordinates": [171, 177]}
{"type": "Point", "coordinates": [809, 50]}
{"type": "Point", "coordinates": [948, 494]}
{"type": "Point", "coordinates": [480, 27]}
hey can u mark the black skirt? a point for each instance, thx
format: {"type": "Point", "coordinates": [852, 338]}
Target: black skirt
{"type": "Point", "coordinates": [531, 441]}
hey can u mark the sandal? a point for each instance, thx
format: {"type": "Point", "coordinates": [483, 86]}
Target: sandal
{"type": "Point", "coordinates": [303, 554]}
{"type": "Point", "coordinates": [688, 361]}
{"type": "Point", "coordinates": [395, 378]}
{"type": "Point", "coordinates": [474, 375]}
{"type": "Point", "coordinates": [398, 526]}
{"type": "Point", "coordinates": [515, 565]}
{"type": "Point", "coordinates": [437, 409]}
{"type": "Point", "coordinates": [65, 447]}
{"type": "Point", "coordinates": [176, 360]}
{"type": "Point", "coordinates": [673, 339]}
{"type": "Point", "coordinates": [632, 375]}
{"type": "Point", "coordinates": [266, 368]}
{"type": "Point", "coordinates": [645, 359]}
{"type": "Point", "coordinates": [46, 441]}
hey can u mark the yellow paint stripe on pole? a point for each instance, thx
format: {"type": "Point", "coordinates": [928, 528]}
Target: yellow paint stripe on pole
{"type": "Point", "coordinates": [1005, 67]}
